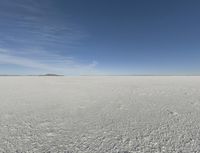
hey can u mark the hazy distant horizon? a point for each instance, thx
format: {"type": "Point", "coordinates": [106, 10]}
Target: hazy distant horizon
{"type": "Point", "coordinates": [101, 75]}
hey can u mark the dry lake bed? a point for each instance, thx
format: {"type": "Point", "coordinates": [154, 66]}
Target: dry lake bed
{"type": "Point", "coordinates": [111, 114]}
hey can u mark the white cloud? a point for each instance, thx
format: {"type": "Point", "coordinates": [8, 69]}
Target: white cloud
{"type": "Point", "coordinates": [37, 23]}
{"type": "Point", "coordinates": [37, 35]}
{"type": "Point", "coordinates": [53, 64]}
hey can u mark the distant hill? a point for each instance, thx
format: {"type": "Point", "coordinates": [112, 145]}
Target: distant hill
{"type": "Point", "coordinates": [50, 74]}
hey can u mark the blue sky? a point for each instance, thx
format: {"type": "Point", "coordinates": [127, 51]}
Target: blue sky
{"type": "Point", "coordinates": [112, 37]}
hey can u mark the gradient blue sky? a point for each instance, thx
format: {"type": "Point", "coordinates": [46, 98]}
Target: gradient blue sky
{"type": "Point", "coordinates": [100, 37]}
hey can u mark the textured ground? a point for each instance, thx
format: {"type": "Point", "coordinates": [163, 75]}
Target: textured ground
{"type": "Point", "coordinates": [100, 114]}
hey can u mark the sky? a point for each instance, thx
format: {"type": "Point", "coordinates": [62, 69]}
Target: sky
{"type": "Point", "coordinates": [100, 37]}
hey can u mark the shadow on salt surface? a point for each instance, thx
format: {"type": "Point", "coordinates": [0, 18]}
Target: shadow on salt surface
{"type": "Point", "coordinates": [173, 113]}
{"type": "Point", "coordinates": [170, 112]}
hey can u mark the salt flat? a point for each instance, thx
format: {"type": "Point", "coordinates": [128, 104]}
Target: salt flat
{"type": "Point", "coordinates": [111, 114]}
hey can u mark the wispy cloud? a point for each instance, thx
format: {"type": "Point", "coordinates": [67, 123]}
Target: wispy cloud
{"type": "Point", "coordinates": [35, 35]}
{"type": "Point", "coordinates": [53, 63]}
{"type": "Point", "coordinates": [36, 23]}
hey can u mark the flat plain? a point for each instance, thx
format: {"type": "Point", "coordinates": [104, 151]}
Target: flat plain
{"type": "Point", "coordinates": [100, 114]}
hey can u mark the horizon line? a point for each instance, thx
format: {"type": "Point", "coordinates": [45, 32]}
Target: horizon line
{"type": "Point", "coordinates": [100, 75]}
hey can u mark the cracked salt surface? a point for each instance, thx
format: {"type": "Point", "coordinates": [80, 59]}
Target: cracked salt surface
{"type": "Point", "coordinates": [100, 114]}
